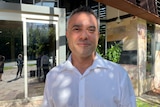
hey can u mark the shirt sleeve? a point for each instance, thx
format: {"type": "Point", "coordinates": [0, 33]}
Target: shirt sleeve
{"type": "Point", "coordinates": [128, 98]}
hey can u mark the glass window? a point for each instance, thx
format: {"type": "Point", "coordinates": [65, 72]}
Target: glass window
{"type": "Point", "coordinates": [28, 1]}
{"type": "Point", "coordinates": [36, 1]}
{"type": "Point", "coordinates": [40, 39]}
{"type": "Point", "coordinates": [20, 1]}
{"type": "Point", "coordinates": [11, 41]}
{"type": "Point", "coordinates": [150, 49]}
{"type": "Point", "coordinates": [12, 1]}
{"type": "Point", "coordinates": [11, 44]}
{"type": "Point", "coordinates": [46, 3]}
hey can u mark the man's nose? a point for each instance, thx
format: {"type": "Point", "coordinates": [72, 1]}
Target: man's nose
{"type": "Point", "coordinates": [84, 34]}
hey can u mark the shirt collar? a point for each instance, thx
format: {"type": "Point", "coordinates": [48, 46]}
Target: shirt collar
{"type": "Point", "coordinates": [99, 62]}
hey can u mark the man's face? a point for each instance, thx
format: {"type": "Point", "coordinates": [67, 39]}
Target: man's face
{"type": "Point", "coordinates": [82, 34]}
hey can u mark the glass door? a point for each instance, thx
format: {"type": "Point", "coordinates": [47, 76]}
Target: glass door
{"type": "Point", "coordinates": [40, 41]}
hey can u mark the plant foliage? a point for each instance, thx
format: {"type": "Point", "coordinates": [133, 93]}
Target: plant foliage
{"type": "Point", "coordinates": [114, 52]}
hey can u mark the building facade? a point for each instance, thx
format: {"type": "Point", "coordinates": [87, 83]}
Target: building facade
{"type": "Point", "coordinates": [136, 29]}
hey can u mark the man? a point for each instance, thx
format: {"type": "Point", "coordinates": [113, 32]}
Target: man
{"type": "Point", "coordinates": [45, 65]}
{"type": "Point", "coordinates": [86, 79]}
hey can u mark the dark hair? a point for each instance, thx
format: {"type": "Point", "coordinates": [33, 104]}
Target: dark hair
{"type": "Point", "coordinates": [19, 55]}
{"type": "Point", "coordinates": [85, 9]}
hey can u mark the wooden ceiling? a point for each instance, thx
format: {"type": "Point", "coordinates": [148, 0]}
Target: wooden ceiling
{"type": "Point", "coordinates": [133, 9]}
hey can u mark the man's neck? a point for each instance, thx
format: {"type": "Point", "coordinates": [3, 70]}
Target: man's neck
{"type": "Point", "coordinates": [82, 63]}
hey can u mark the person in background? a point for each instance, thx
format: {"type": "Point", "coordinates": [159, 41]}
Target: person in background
{"type": "Point", "coordinates": [45, 65]}
{"type": "Point", "coordinates": [2, 59]}
{"type": "Point", "coordinates": [19, 65]}
{"type": "Point", "coordinates": [86, 79]}
{"type": "Point", "coordinates": [38, 61]}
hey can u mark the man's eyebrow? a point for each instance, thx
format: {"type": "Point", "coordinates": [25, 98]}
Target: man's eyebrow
{"type": "Point", "coordinates": [92, 27]}
{"type": "Point", "coordinates": [76, 25]}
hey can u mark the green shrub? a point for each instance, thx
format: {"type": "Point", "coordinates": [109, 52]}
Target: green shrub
{"type": "Point", "coordinates": [114, 53]}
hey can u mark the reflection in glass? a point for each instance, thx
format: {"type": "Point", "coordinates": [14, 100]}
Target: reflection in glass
{"type": "Point", "coordinates": [41, 39]}
{"type": "Point", "coordinates": [11, 44]}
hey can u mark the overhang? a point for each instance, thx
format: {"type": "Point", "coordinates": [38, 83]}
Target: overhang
{"type": "Point", "coordinates": [133, 9]}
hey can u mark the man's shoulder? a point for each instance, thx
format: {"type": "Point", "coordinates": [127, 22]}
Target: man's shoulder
{"type": "Point", "coordinates": [112, 66]}
{"type": "Point", "coordinates": [57, 69]}
{"type": "Point", "coordinates": [44, 56]}
{"type": "Point", "coordinates": [107, 63]}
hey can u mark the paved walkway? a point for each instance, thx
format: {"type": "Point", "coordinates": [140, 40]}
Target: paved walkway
{"type": "Point", "coordinates": [12, 90]}
{"type": "Point", "coordinates": [32, 102]}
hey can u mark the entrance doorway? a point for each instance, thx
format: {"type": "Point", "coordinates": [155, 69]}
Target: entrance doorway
{"type": "Point", "coordinates": [41, 40]}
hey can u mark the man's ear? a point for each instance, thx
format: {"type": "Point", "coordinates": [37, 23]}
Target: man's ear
{"type": "Point", "coordinates": [66, 33]}
{"type": "Point", "coordinates": [67, 36]}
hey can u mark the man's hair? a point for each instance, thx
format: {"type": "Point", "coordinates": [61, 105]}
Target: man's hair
{"type": "Point", "coordinates": [83, 9]}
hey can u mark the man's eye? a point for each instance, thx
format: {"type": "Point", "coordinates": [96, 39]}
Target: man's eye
{"type": "Point", "coordinates": [75, 29]}
{"type": "Point", "coordinates": [91, 30]}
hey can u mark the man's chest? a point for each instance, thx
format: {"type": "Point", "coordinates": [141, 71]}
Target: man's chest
{"type": "Point", "coordinates": [84, 92]}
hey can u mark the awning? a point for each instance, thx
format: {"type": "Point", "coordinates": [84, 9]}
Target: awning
{"type": "Point", "coordinates": [133, 9]}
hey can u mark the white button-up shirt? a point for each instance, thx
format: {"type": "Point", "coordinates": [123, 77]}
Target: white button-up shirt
{"type": "Point", "coordinates": [103, 84]}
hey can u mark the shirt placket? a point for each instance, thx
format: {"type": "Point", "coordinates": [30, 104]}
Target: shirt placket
{"type": "Point", "coordinates": [81, 91]}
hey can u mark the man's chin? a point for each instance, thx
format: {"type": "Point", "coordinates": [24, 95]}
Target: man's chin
{"type": "Point", "coordinates": [85, 55]}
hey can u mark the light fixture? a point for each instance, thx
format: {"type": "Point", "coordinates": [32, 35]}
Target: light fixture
{"type": "Point", "coordinates": [118, 20]}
